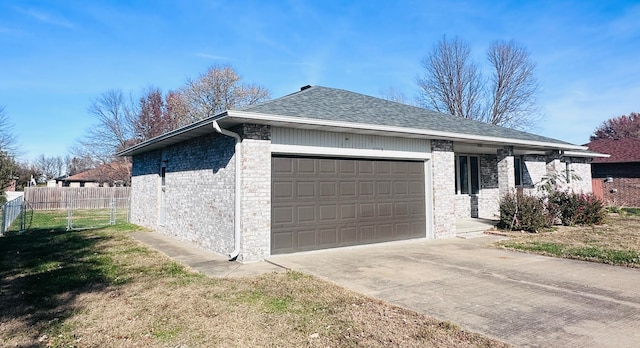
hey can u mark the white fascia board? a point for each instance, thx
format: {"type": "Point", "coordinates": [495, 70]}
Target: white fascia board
{"type": "Point", "coordinates": [346, 152]}
{"type": "Point", "coordinates": [177, 132]}
{"type": "Point", "coordinates": [585, 154]}
{"type": "Point", "coordinates": [393, 129]}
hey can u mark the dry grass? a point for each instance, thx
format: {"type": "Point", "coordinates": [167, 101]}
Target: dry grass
{"type": "Point", "coordinates": [616, 242]}
{"type": "Point", "coordinates": [100, 288]}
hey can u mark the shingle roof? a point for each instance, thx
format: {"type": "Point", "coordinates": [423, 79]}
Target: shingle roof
{"type": "Point", "coordinates": [621, 150]}
{"type": "Point", "coordinates": [105, 172]}
{"type": "Point", "coordinates": [340, 105]}
{"type": "Point", "coordinates": [320, 106]}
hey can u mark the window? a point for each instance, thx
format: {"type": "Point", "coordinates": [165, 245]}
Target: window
{"type": "Point", "coordinates": [467, 174]}
{"type": "Point", "coordinates": [518, 163]}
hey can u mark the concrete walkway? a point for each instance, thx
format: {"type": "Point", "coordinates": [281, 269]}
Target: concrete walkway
{"type": "Point", "coordinates": [522, 299]}
{"type": "Point", "coordinates": [201, 260]}
{"type": "Point", "coordinates": [526, 300]}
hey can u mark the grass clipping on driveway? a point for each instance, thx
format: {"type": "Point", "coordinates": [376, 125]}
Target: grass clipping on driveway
{"type": "Point", "coordinates": [100, 288]}
{"type": "Point", "coordinates": [617, 242]}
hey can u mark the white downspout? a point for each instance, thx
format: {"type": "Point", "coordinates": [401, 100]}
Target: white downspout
{"type": "Point", "coordinates": [238, 190]}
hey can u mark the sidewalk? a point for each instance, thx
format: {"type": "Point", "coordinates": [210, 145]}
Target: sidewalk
{"type": "Point", "coordinates": [201, 260]}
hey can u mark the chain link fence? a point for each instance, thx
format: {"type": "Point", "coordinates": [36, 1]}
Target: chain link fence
{"type": "Point", "coordinates": [77, 208]}
{"type": "Point", "coordinates": [10, 212]}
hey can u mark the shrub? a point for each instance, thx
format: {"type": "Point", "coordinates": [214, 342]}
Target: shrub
{"type": "Point", "coordinates": [592, 210]}
{"type": "Point", "coordinates": [578, 209]}
{"type": "Point", "coordinates": [522, 212]}
{"type": "Point", "coordinates": [530, 213]}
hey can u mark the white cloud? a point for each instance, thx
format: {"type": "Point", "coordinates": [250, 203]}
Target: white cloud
{"type": "Point", "coordinates": [211, 56]}
{"type": "Point", "coordinates": [47, 18]}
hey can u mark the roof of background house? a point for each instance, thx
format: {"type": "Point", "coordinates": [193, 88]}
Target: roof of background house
{"type": "Point", "coordinates": [340, 110]}
{"type": "Point", "coordinates": [105, 172]}
{"type": "Point", "coordinates": [333, 104]}
{"type": "Point", "coordinates": [621, 150]}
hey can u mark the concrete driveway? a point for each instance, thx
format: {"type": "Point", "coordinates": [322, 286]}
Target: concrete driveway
{"type": "Point", "coordinates": [526, 300]}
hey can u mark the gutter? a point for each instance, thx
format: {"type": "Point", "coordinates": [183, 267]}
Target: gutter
{"type": "Point", "coordinates": [238, 190]}
{"type": "Point", "coordinates": [271, 118]}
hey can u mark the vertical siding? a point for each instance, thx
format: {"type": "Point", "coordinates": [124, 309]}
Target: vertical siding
{"type": "Point", "coordinates": [305, 137]}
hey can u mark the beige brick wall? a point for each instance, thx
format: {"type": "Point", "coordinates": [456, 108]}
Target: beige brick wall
{"type": "Point", "coordinates": [443, 168]}
{"type": "Point", "coordinates": [199, 191]}
{"type": "Point", "coordinates": [256, 200]}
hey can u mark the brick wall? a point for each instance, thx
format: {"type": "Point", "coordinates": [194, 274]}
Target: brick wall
{"type": "Point", "coordinates": [489, 198]}
{"type": "Point", "coordinates": [256, 200]}
{"type": "Point", "coordinates": [443, 168]}
{"type": "Point", "coordinates": [534, 170]}
{"type": "Point", "coordinates": [583, 170]}
{"type": "Point", "coordinates": [506, 177]}
{"type": "Point", "coordinates": [199, 191]}
{"type": "Point", "coordinates": [145, 189]}
{"type": "Point", "coordinates": [624, 190]}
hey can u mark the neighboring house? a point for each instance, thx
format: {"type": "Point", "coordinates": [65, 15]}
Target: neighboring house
{"type": "Point", "coordinates": [323, 168]}
{"type": "Point", "coordinates": [618, 176]}
{"type": "Point", "coordinates": [110, 174]}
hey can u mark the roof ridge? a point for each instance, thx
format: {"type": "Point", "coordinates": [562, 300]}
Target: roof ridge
{"type": "Point", "coordinates": [286, 96]}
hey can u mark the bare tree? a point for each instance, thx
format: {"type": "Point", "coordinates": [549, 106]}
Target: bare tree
{"type": "Point", "coordinates": [153, 118]}
{"type": "Point", "coordinates": [619, 127]}
{"type": "Point", "coordinates": [81, 163]}
{"type": "Point", "coordinates": [24, 172]}
{"type": "Point", "coordinates": [452, 83]}
{"type": "Point", "coordinates": [7, 153]}
{"type": "Point", "coordinates": [7, 137]}
{"type": "Point", "coordinates": [50, 167]}
{"type": "Point", "coordinates": [7, 173]}
{"type": "Point", "coordinates": [218, 89]}
{"type": "Point", "coordinates": [177, 108]}
{"type": "Point", "coordinates": [121, 123]}
{"type": "Point", "coordinates": [393, 95]}
{"type": "Point", "coordinates": [513, 86]}
{"type": "Point", "coordinates": [113, 131]}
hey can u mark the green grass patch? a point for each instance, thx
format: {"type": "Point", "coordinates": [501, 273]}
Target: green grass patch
{"type": "Point", "coordinates": [545, 247]}
{"type": "Point", "coordinates": [278, 304]}
{"type": "Point", "coordinates": [164, 334]}
{"type": "Point", "coordinates": [588, 253]}
{"type": "Point", "coordinates": [617, 242]}
{"type": "Point", "coordinates": [624, 210]}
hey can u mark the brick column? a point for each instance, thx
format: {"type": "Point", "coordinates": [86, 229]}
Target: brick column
{"type": "Point", "coordinates": [256, 192]}
{"type": "Point", "coordinates": [506, 168]}
{"type": "Point", "coordinates": [555, 167]}
{"type": "Point", "coordinates": [443, 179]}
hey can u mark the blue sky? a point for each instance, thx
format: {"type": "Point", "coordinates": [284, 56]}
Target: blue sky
{"type": "Point", "coordinates": [56, 56]}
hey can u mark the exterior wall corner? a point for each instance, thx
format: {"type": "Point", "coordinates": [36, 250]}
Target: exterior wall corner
{"type": "Point", "coordinates": [443, 184]}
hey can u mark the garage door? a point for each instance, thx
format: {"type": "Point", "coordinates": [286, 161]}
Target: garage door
{"type": "Point", "coordinates": [320, 203]}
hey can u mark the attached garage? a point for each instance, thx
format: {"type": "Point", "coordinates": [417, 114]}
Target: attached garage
{"type": "Point", "coordinates": [324, 168]}
{"type": "Point", "coordinates": [320, 203]}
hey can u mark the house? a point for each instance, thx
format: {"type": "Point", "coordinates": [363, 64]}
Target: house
{"type": "Point", "coordinates": [114, 173]}
{"type": "Point", "coordinates": [324, 168]}
{"type": "Point", "coordinates": [618, 176]}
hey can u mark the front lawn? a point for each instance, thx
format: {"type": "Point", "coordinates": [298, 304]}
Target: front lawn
{"type": "Point", "coordinates": [101, 288]}
{"type": "Point", "coordinates": [616, 242]}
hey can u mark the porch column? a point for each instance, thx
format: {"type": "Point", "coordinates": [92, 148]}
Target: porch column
{"type": "Point", "coordinates": [506, 171]}
{"type": "Point", "coordinates": [443, 183]}
{"type": "Point", "coordinates": [555, 167]}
